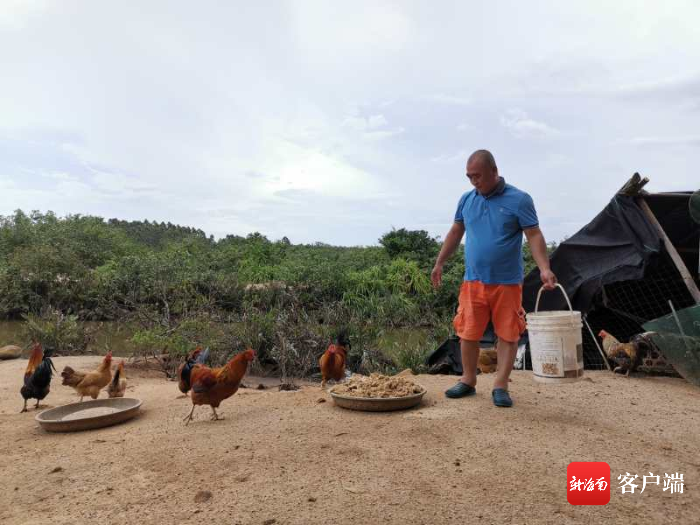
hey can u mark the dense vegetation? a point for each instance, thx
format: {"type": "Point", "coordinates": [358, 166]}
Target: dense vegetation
{"type": "Point", "coordinates": [178, 287]}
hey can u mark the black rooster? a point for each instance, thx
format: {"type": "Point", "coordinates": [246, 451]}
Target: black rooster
{"type": "Point", "coordinates": [37, 377]}
{"type": "Point", "coordinates": [197, 357]}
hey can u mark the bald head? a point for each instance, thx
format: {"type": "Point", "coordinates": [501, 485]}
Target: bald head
{"type": "Point", "coordinates": [482, 171]}
{"type": "Point", "coordinates": [485, 156]}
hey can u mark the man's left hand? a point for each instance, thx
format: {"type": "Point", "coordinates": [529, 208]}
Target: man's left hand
{"type": "Point", "coordinates": [549, 280]}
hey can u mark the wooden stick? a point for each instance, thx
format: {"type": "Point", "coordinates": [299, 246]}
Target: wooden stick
{"type": "Point", "coordinates": [605, 358]}
{"type": "Point", "coordinates": [677, 261]}
{"type": "Point", "coordinates": [670, 194]}
{"type": "Point", "coordinates": [633, 186]}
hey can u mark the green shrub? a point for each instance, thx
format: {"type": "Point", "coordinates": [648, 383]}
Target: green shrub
{"type": "Point", "coordinates": [412, 357]}
{"type": "Point", "coordinates": [60, 333]}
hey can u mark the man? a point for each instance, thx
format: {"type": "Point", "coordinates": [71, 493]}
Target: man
{"type": "Point", "coordinates": [494, 216]}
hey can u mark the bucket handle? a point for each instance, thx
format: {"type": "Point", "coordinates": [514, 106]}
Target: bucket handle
{"type": "Point", "coordinates": [539, 294]}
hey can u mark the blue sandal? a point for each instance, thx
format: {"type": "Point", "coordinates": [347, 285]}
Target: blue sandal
{"type": "Point", "coordinates": [501, 398]}
{"type": "Point", "coordinates": [460, 390]}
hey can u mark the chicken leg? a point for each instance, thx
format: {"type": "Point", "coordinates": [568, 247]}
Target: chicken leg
{"type": "Point", "coordinates": [215, 416]}
{"type": "Point", "coordinates": [188, 417]}
{"type": "Point", "coordinates": [25, 407]}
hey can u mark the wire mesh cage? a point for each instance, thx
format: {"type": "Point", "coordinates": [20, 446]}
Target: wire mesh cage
{"type": "Point", "coordinates": [622, 308]}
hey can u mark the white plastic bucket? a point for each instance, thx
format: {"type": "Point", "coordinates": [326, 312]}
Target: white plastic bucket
{"type": "Point", "coordinates": [556, 343]}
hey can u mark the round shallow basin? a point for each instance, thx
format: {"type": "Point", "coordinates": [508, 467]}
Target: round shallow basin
{"type": "Point", "coordinates": [96, 413]}
{"type": "Point", "coordinates": [377, 404]}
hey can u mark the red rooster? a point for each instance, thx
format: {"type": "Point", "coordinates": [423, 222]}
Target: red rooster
{"type": "Point", "coordinates": [210, 386]}
{"type": "Point", "coordinates": [332, 362]}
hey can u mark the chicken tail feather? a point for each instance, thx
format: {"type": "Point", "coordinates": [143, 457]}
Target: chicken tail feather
{"type": "Point", "coordinates": [203, 357]}
{"type": "Point", "coordinates": [70, 378]}
{"type": "Point", "coordinates": [115, 380]}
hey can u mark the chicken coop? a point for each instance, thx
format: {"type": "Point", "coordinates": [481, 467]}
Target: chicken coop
{"type": "Point", "coordinates": [634, 262]}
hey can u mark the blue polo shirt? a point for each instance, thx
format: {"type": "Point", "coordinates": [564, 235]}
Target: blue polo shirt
{"type": "Point", "coordinates": [494, 224]}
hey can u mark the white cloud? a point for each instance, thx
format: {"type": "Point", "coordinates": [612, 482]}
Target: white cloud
{"type": "Point", "coordinates": [59, 176]}
{"type": "Point", "coordinates": [384, 134]}
{"type": "Point", "coordinates": [672, 89]}
{"type": "Point", "coordinates": [520, 125]}
{"type": "Point", "coordinates": [298, 168]}
{"type": "Point", "coordinates": [7, 183]}
{"type": "Point", "coordinates": [349, 30]}
{"type": "Point", "coordinates": [16, 14]}
{"type": "Point", "coordinates": [450, 158]}
{"type": "Point", "coordinates": [365, 123]}
{"type": "Point", "coordinates": [557, 160]}
{"type": "Point", "coordinates": [451, 99]}
{"type": "Point", "coordinates": [683, 85]}
{"type": "Point", "coordinates": [270, 117]}
{"type": "Point", "coordinates": [373, 127]}
{"type": "Point", "coordinates": [122, 184]}
{"type": "Point", "coordinates": [687, 140]}
{"type": "Point", "coordinates": [63, 194]}
{"type": "Point", "coordinates": [376, 121]}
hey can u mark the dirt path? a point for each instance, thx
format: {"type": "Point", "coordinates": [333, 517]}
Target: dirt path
{"type": "Point", "coordinates": [286, 457]}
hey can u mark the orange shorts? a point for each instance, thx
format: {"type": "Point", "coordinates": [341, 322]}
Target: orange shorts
{"type": "Point", "coordinates": [480, 303]}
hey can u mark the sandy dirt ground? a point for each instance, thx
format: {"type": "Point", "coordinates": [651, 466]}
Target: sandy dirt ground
{"type": "Point", "coordinates": [286, 458]}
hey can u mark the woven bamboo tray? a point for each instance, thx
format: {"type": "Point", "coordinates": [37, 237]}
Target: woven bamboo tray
{"type": "Point", "coordinates": [87, 415]}
{"type": "Point", "coordinates": [377, 404]}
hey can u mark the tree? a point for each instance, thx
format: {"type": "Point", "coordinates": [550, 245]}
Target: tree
{"type": "Point", "coordinates": [414, 245]}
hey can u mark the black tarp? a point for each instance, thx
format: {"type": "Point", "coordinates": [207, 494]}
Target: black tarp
{"type": "Point", "coordinates": [447, 358]}
{"type": "Point", "coordinates": [673, 213]}
{"type": "Point", "coordinates": [617, 272]}
{"type": "Point", "coordinates": [615, 246]}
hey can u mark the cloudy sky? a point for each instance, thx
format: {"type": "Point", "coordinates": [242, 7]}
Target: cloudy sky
{"type": "Point", "coordinates": [334, 121]}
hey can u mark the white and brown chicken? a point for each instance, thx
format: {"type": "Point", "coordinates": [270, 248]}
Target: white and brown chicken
{"type": "Point", "coordinates": [117, 387]}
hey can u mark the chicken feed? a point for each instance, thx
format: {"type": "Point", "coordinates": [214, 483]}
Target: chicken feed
{"type": "Point", "coordinates": [89, 412]}
{"type": "Point", "coordinates": [377, 386]}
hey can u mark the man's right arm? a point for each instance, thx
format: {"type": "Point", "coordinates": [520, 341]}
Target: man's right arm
{"type": "Point", "coordinates": [452, 240]}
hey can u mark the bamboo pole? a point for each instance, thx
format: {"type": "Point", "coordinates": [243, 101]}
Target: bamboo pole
{"type": "Point", "coordinates": [633, 186]}
{"type": "Point", "coordinates": [675, 316]}
{"type": "Point", "coordinates": [677, 261]}
{"type": "Point", "coordinates": [605, 358]}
